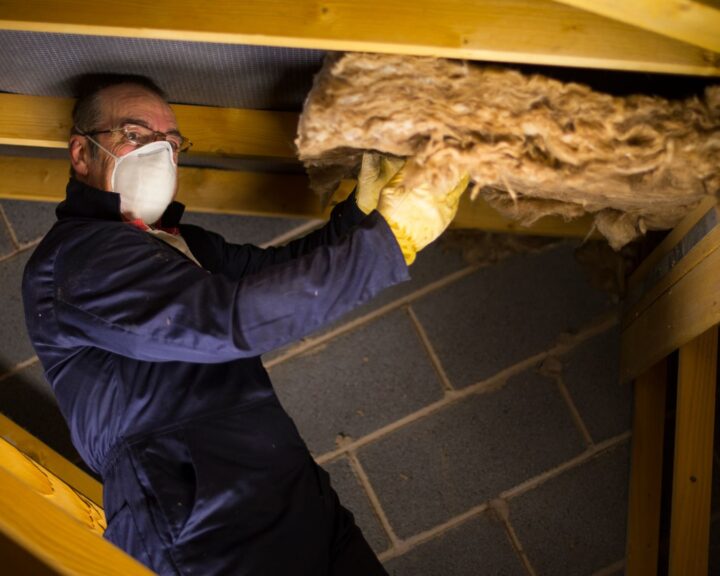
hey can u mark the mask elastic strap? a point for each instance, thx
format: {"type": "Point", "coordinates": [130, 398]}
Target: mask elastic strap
{"type": "Point", "coordinates": [99, 145]}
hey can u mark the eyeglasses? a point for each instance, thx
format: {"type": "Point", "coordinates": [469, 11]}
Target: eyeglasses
{"type": "Point", "coordinates": [141, 135]}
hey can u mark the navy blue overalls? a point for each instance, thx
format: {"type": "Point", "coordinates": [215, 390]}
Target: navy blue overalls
{"type": "Point", "coordinates": [155, 363]}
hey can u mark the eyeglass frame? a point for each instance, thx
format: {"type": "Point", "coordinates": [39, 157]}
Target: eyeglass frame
{"type": "Point", "coordinates": [185, 143]}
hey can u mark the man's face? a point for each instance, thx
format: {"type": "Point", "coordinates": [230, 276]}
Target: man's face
{"type": "Point", "coordinates": [121, 105]}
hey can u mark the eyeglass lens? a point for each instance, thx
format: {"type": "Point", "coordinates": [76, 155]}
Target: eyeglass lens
{"type": "Point", "coordinates": [140, 136]}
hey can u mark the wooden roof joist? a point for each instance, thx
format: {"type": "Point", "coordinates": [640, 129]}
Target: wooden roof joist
{"type": "Point", "coordinates": [51, 486]}
{"type": "Point", "coordinates": [44, 456]}
{"type": "Point", "coordinates": [44, 121]}
{"type": "Point", "coordinates": [519, 31]}
{"type": "Point", "coordinates": [37, 537]}
{"type": "Point", "coordinates": [254, 193]}
{"type": "Point", "coordinates": [674, 295]}
{"type": "Point", "coordinates": [201, 189]}
{"type": "Point", "coordinates": [52, 520]}
{"type": "Point", "coordinates": [691, 21]}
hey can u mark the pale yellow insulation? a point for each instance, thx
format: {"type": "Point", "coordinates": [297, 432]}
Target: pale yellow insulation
{"type": "Point", "coordinates": [532, 145]}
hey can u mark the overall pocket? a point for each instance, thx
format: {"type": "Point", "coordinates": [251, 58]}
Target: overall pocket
{"type": "Point", "coordinates": [169, 477]}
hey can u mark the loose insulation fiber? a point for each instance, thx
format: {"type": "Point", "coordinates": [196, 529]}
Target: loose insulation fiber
{"type": "Point", "coordinates": [533, 145]}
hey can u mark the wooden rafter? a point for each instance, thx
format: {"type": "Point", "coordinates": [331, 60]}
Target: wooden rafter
{"type": "Point", "coordinates": [45, 456]}
{"type": "Point", "coordinates": [694, 22]}
{"type": "Point", "coordinates": [253, 193]}
{"type": "Point", "coordinates": [39, 538]}
{"type": "Point", "coordinates": [45, 121]}
{"type": "Point", "coordinates": [51, 487]}
{"type": "Point", "coordinates": [674, 296]}
{"type": "Point", "coordinates": [201, 189]}
{"type": "Point", "coordinates": [527, 31]}
{"type": "Point", "coordinates": [52, 520]}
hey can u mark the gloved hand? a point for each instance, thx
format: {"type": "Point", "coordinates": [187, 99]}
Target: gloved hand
{"type": "Point", "coordinates": [375, 172]}
{"type": "Point", "coordinates": [418, 215]}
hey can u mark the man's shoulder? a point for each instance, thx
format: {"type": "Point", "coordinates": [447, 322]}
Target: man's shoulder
{"type": "Point", "coordinates": [78, 229]}
{"type": "Point", "coordinates": [84, 239]}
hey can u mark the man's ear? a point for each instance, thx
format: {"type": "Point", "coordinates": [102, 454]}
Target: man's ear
{"type": "Point", "coordinates": [79, 148]}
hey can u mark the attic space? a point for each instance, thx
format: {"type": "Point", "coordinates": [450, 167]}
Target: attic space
{"type": "Point", "coordinates": [474, 419]}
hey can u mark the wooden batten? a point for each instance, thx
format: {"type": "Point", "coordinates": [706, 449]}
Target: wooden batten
{"type": "Point", "coordinates": [43, 121]}
{"type": "Point", "coordinates": [51, 487]}
{"type": "Point", "coordinates": [524, 31]}
{"type": "Point", "coordinates": [81, 482]}
{"type": "Point", "coordinates": [256, 194]}
{"type": "Point", "coordinates": [37, 537]}
{"type": "Point", "coordinates": [675, 295]}
{"type": "Point", "coordinates": [697, 23]}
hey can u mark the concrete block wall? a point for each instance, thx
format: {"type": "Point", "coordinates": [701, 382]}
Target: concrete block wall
{"type": "Point", "coordinates": [471, 418]}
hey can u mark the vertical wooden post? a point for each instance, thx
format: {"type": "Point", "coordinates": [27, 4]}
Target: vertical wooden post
{"type": "Point", "coordinates": [646, 471]}
{"type": "Point", "coordinates": [692, 477]}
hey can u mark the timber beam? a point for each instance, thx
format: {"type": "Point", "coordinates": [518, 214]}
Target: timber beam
{"type": "Point", "coordinates": [256, 194]}
{"type": "Point", "coordinates": [515, 31]}
{"type": "Point", "coordinates": [54, 489]}
{"type": "Point", "coordinates": [39, 538]}
{"type": "Point", "coordinates": [52, 521]}
{"type": "Point", "coordinates": [691, 21]}
{"type": "Point", "coordinates": [229, 132]}
{"type": "Point", "coordinates": [674, 296]}
{"type": "Point", "coordinates": [47, 458]}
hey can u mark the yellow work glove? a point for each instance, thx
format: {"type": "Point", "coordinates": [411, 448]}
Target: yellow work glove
{"type": "Point", "coordinates": [375, 172]}
{"type": "Point", "coordinates": [418, 215]}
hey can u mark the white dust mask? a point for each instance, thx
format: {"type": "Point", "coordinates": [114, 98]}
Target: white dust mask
{"type": "Point", "coordinates": [145, 179]}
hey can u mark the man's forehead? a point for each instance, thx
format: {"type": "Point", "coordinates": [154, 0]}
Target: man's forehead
{"type": "Point", "coordinates": [134, 101]}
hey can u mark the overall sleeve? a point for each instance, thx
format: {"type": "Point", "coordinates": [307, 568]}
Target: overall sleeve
{"type": "Point", "coordinates": [128, 293]}
{"type": "Point", "coordinates": [237, 260]}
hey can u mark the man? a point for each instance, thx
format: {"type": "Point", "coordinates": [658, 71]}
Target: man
{"type": "Point", "coordinates": [151, 331]}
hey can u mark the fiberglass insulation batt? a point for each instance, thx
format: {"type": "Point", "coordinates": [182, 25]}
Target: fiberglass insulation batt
{"type": "Point", "coordinates": [533, 146]}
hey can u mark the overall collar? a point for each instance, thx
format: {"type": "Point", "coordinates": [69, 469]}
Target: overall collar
{"type": "Point", "coordinates": [83, 201]}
